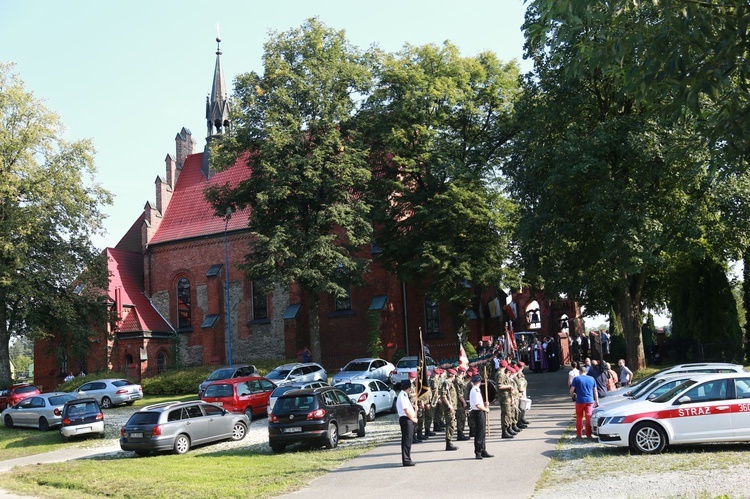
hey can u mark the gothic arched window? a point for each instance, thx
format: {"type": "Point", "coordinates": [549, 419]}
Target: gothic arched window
{"type": "Point", "coordinates": [183, 303]}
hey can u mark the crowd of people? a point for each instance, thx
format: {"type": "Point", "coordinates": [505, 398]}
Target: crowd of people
{"type": "Point", "coordinates": [590, 381]}
{"type": "Point", "coordinates": [452, 403]}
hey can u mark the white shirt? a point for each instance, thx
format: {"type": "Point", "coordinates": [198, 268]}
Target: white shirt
{"type": "Point", "coordinates": [572, 374]}
{"type": "Point", "coordinates": [475, 398]}
{"type": "Point", "coordinates": [403, 403]}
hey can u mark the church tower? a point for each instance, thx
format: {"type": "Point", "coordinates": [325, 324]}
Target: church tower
{"type": "Point", "coordinates": [217, 110]}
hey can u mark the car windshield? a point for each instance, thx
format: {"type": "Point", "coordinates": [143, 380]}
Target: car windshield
{"type": "Point", "coordinates": [351, 388]}
{"type": "Point", "coordinates": [666, 397]}
{"type": "Point", "coordinates": [221, 374]}
{"type": "Point", "coordinates": [357, 366]}
{"type": "Point", "coordinates": [642, 388]}
{"type": "Point", "coordinates": [303, 403]}
{"type": "Point", "coordinates": [60, 399]}
{"type": "Point", "coordinates": [278, 374]}
{"type": "Point", "coordinates": [221, 390]}
{"type": "Point", "coordinates": [407, 363]}
{"type": "Point", "coordinates": [122, 382]}
{"type": "Point", "coordinates": [144, 418]}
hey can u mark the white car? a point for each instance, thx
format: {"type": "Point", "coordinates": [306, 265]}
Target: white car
{"type": "Point", "coordinates": [713, 409]}
{"type": "Point", "coordinates": [407, 365]}
{"type": "Point", "coordinates": [695, 367]}
{"type": "Point", "coordinates": [372, 395]}
{"type": "Point", "coordinates": [368, 368]}
{"type": "Point", "coordinates": [650, 390]}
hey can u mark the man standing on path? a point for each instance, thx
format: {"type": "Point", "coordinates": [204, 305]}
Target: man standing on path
{"type": "Point", "coordinates": [407, 417]}
{"type": "Point", "coordinates": [479, 411]}
{"type": "Point", "coordinates": [450, 401]}
{"type": "Point", "coordinates": [626, 375]}
{"type": "Point", "coordinates": [584, 389]}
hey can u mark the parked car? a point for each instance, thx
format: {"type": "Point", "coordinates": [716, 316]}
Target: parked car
{"type": "Point", "coordinates": [695, 367]}
{"type": "Point", "coordinates": [11, 395]}
{"type": "Point", "coordinates": [249, 395]}
{"type": "Point", "coordinates": [227, 372]}
{"type": "Point", "coordinates": [109, 392]}
{"type": "Point", "coordinates": [407, 365]}
{"type": "Point", "coordinates": [372, 395]}
{"type": "Point", "coordinates": [82, 417]}
{"type": "Point", "coordinates": [297, 373]}
{"type": "Point", "coordinates": [648, 391]}
{"type": "Point", "coordinates": [280, 390]}
{"type": "Point", "coordinates": [38, 411]}
{"type": "Point", "coordinates": [316, 415]}
{"type": "Point", "coordinates": [368, 368]}
{"type": "Point", "coordinates": [714, 409]}
{"type": "Point", "coordinates": [178, 426]}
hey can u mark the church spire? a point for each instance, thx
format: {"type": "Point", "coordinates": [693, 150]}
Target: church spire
{"type": "Point", "coordinates": [217, 104]}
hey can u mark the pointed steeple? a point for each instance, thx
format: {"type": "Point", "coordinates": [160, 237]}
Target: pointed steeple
{"type": "Point", "coordinates": [217, 104]}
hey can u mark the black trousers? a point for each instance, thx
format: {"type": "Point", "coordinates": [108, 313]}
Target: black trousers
{"type": "Point", "coordinates": [480, 431]}
{"type": "Point", "coordinates": [407, 434]}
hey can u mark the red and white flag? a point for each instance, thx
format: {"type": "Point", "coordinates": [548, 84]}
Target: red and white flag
{"type": "Point", "coordinates": [463, 360]}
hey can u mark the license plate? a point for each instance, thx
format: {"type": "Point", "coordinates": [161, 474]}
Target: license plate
{"type": "Point", "coordinates": [135, 397]}
{"type": "Point", "coordinates": [293, 429]}
{"type": "Point", "coordinates": [86, 429]}
{"type": "Point", "coordinates": [136, 435]}
{"type": "Point", "coordinates": [220, 404]}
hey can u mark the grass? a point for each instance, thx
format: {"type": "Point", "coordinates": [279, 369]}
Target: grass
{"type": "Point", "coordinates": [251, 472]}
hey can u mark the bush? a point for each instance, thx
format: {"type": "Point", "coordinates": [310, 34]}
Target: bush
{"type": "Point", "coordinates": [177, 382]}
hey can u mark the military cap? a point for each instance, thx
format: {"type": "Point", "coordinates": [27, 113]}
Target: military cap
{"type": "Point", "coordinates": [438, 370]}
{"type": "Point", "coordinates": [451, 372]}
{"type": "Point", "coordinates": [461, 369]}
{"type": "Point", "coordinates": [476, 378]}
{"type": "Point", "coordinates": [413, 375]}
{"type": "Point", "coordinates": [405, 384]}
{"type": "Point", "coordinates": [503, 363]}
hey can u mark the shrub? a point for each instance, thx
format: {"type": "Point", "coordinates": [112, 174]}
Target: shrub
{"type": "Point", "coordinates": [79, 380]}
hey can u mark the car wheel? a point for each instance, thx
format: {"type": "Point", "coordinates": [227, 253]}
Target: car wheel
{"type": "Point", "coordinates": [393, 406]}
{"type": "Point", "coordinates": [277, 448]}
{"type": "Point", "coordinates": [106, 403]}
{"type": "Point", "coordinates": [129, 402]}
{"type": "Point", "coordinates": [8, 421]}
{"type": "Point", "coordinates": [66, 439]}
{"type": "Point", "coordinates": [360, 425]}
{"type": "Point", "coordinates": [332, 437]}
{"type": "Point", "coordinates": [142, 453]}
{"type": "Point", "coordinates": [249, 413]}
{"type": "Point", "coordinates": [648, 438]}
{"type": "Point", "coordinates": [181, 444]}
{"type": "Point", "coordinates": [238, 432]}
{"type": "Point", "coordinates": [43, 424]}
{"type": "Point", "coordinates": [371, 413]}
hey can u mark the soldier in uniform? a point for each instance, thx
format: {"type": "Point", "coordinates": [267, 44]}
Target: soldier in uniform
{"type": "Point", "coordinates": [515, 394]}
{"type": "Point", "coordinates": [463, 405]}
{"type": "Point", "coordinates": [414, 402]}
{"type": "Point", "coordinates": [435, 388]}
{"type": "Point", "coordinates": [449, 397]}
{"type": "Point", "coordinates": [424, 415]}
{"type": "Point", "coordinates": [504, 396]}
{"type": "Point", "coordinates": [522, 385]}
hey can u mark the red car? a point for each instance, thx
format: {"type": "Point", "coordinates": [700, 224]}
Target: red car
{"type": "Point", "coordinates": [11, 395]}
{"type": "Point", "coordinates": [249, 394]}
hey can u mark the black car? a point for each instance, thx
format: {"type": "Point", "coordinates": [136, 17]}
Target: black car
{"type": "Point", "coordinates": [313, 415]}
{"type": "Point", "coordinates": [227, 372]}
{"type": "Point", "coordinates": [82, 417]}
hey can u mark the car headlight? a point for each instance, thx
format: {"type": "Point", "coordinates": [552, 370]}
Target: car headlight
{"type": "Point", "coordinates": [614, 420]}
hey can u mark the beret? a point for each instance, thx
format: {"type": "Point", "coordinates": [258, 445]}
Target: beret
{"type": "Point", "coordinates": [503, 363]}
{"type": "Point", "coordinates": [461, 369]}
{"type": "Point", "coordinates": [521, 364]}
{"type": "Point", "coordinates": [438, 370]}
{"type": "Point", "coordinates": [476, 378]}
{"type": "Point", "coordinates": [452, 372]}
{"type": "Point", "coordinates": [412, 375]}
{"type": "Point", "coordinates": [405, 384]}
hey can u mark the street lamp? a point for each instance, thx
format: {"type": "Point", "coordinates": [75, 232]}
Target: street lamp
{"type": "Point", "coordinates": [226, 284]}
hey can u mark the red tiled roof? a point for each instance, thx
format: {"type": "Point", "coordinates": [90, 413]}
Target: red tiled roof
{"type": "Point", "coordinates": [126, 272]}
{"type": "Point", "coordinates": [131, 241]}
{"type": "Point", "coordinates": [189, 214]}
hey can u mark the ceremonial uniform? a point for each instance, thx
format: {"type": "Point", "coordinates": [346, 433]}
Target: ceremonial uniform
{"type": "Point", "coordinates": [413, 398]}
{"type": "Point", "coordinates": [437, 403]}
{"type": "Point", "coordinates": [406, 422]}
{"type": "Point", "coordinates": [504, 396]}
{"type": "Point", "coordinates": [467, 394]}
{"type": "Point", "coordinates": [449, 397]}
{"type": "Point", "coordinates": [478, 414]}
{"type": "Point", "coordinates": [463, 405]}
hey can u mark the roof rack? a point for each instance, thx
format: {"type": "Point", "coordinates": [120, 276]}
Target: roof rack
{"type": "Point", "coordinates": [161, 405]}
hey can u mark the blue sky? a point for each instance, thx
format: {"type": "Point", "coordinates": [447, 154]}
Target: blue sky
{"type": "Point", "coordinates": [129, 75]}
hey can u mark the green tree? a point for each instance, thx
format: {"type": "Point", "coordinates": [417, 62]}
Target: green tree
{"type": "Point", "coordinates": [613, 195]}
{"type": "Point", "coordinates": [436, 124]}
{"type": "Point", "coordinates": [308, 216]}
{"type": "Point", "coordinates": [49, 209]}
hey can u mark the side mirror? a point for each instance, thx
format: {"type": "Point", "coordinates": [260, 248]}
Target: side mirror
{"type": "Point", "coordinates": [651, 396]}
{"type": "Point", "coordinates": [683, 400]}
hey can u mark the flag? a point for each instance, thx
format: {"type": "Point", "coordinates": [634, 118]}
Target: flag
{"type": "Point", "coordinates": [510, 309]}
{"type": "Point", "coordinates": [495, 310]}
{"type": "Point", "coordinates": [423, 385]}
{"type": "Point", "coordinates": [463, 360]}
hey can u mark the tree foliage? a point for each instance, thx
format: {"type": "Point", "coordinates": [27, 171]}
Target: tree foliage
{"type": "Point", "coordinates": [309, 173]}
{"type": "Point", "coordinates": [437, 124]}
{"type": "Point", "coordinates": [49, 209]}
{"type": "Point", "coordinates": [615, 194]}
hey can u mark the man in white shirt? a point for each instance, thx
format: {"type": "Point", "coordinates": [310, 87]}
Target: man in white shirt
{"type": "Point", "coordinates": [407, 418]}
{"type": "Point", "coordinates": [479, 410]}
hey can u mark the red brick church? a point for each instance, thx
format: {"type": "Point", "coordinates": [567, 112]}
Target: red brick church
{"type": "Point", "coordinates": [180, 300]}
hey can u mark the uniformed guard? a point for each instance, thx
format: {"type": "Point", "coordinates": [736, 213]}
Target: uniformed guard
{"type": "Point", "coordinates": [522, 385]}
{"type": "Point", "coordinates": [515, 395]}
{"type": "Point", "coordinates": [504, 396]}
{"type": "Point", "coordinates": [413, 398]}
{"type": "Point", "coordinates": [437, 403]}
{"type": "Point", "coordinates": [449, 397]}
{"type": "Point", "coordinates": [463, 405]}
{"type": "Point", "coordinates": [425, 401]}
{"type": "Point", "coordinates": [471, 372]}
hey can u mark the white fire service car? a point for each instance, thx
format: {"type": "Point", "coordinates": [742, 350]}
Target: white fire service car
{"type": "Point", "coordinates": [715, 408]}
